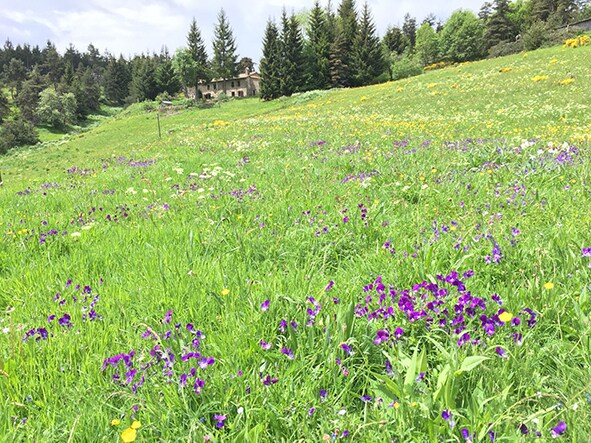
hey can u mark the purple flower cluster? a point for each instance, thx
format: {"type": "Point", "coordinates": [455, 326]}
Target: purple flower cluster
{"type": "Point", "coordinates": [160, 361]}
{"type": "Point", "coordinates": [445, 307]}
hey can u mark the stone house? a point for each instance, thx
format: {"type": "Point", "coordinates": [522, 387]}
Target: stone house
{"type": "Point", "coordinates": [245, 84]}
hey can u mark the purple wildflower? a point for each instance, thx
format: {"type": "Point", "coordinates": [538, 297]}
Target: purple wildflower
{"type": "Point", "coordinates": [382, 336]}
{"type": "Point", "coordinates": [365, 398]}
{"type": "Point", "coordinates": [198, 385]}
{"type": "Point", "coordinates": [219, 420]}
{"type": "Point", "coordinates": [559, 429]}
{"type": "Point", "coordinates": [323, 395]}
{"type": "Point", "coordinates": [329, 285]}
{"type": "Point", "coordinates": [168, 317]}
{"type": "Point", "coordinates": [266, 346]}
{"type": "Point", "coordinates": [501, 352]}
{"type": "Point", "coordinates": [288, 353]}
{"type": "Point", "coordinates": [447, 415]}
{"type": "Point", "coordinates": [311, 411]}
{"type": "Point", "coordinates": [268, 380]}
{"type": "Point", "coordinates": [265, 306]}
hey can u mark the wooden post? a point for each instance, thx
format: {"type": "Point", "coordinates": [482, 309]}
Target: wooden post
{"type": "Point", "coordinates": [158, 119]}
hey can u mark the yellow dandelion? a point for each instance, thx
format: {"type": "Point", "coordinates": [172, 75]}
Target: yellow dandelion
{"type": "Point", "coordinates": [506, 69]}
{"type": "Point", "coordinates": [396, 405]}
{"type": "Point", "coordinates": [136, 424]}
{"type": "Point", "coordinates": [225, 291]}
{"type": "Point", "coordinates": [505, 317]}
{"type": "Point", "coordinates": [115, 422]}
{"type": "Point", "coordinates": [549, 285]}
{"type": "Point", "coordinates": [566, 81]}
{"type": "Point", "coordinates": [129, 435]}
{"type": "Point", "coordinates": [554, 60]}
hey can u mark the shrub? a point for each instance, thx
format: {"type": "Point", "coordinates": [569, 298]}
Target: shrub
{"type": "Point", "coordinates": [506, 48]}
{"type": "Point", "coordinates": [536, 36]}
{"type": "Point", "coordinates": [405, 67]}
{"type": "Point", "coordinates": [17, 133]}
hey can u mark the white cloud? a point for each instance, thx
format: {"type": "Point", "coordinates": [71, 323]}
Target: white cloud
{"type": "Point", "coordinates": [136, 26]}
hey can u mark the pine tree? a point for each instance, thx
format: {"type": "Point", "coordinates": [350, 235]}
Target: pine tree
{"type": "Point", "coordinates": [196, 48]}
{"type": "Point", "coordinates": [28, 98]}
{"type": "Point", "coordinates": [16, 74]}
{"type": "Point", "coordinates": [52, 64]}
{"type": "Point", "coordinates": [87, 92]}
{"type": "Point", "coordinates": [409, 29]}
{"type": "Point", "coordinates": [542, 10]}
{"type": "Point", "coordinates": [166, 79]}
{"type": "Point", "coordinates": [292, 55]}
{"type": "Point", "coordinates": [498, 26]}
{"type": "Point", "coordinates": [143, 82]}
{"type": "Point", "coordinates": [224, 62]}
{"type": "Point", "coordinates": [317, 50]}
{"type": "Point", "coordinates": [346, 32]}
{"type": "Point", "coordinates": [271, 63]}
{"type": "Point", "coordinates": [117, 78]}
{"type": "Point", "coordinates": [339, 71]}
{"type": "Point", "coordinates": [368, 58]}
{"type": "Point", "coordinates": [395, 41]}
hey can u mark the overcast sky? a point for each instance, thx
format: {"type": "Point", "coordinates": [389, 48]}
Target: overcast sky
{"type": "Point", "coordinates": [134, 26]}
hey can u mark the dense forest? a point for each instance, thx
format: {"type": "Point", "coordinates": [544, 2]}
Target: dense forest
{"type": "Point", "coordinates": [319, 49]}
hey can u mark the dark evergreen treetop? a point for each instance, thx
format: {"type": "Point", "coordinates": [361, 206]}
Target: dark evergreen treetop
{"type": "Point", "coordinates": [292, 55]}
{"type": "Point", "coordinates": [224, 63]}
{"type": "Point", "coordinates": [271, 63]}
{"type": "Point", "coordinates": [196, 47]}
{"type": "Point", "coordinates": [317, 49]}
{"type": "Point", "coordinates": [368, 58]}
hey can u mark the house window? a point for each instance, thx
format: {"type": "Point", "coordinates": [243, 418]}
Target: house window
{"type": "Point", "coordinates": [208, 87]}
{"type": "Point", "coordinates": [232, 85]}
{"type": "Point", "coordinates": [241, 93]}
{"type": "Point", "coordinates": [214, 86]}
{"type": "Point", "coordinates": [233, 93]}
{"type": "Point", "coordinates": [238, 83]}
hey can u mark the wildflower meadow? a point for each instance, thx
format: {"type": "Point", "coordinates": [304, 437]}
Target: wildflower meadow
{"type": "Point", "coordinates": [406, 262]}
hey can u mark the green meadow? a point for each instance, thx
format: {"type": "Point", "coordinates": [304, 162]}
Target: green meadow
{"type": "Point", "coordinates": [403, 262]}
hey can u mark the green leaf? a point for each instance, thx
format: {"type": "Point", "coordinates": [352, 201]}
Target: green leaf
{"type": "Point", "coordinates": [441, 380]}
{"type": "Point", "coordinates": [470, 363]}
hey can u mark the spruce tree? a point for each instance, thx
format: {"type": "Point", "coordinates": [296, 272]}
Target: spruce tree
{"type": "Point", "coordinates": [346, 32]}
{"type": "Point", "coordinates": [271, 63]}
{"type": "Point", "coordinates": [28, 98]}
{"type": "Point", "coordinates": [52, 64]}
{"type": "Point", "coordinates": [224, 62]}
{"type": "Point", "coordinates": [317, 50]}
{"type": "Point", "coordinates": [292, 55]}
{"type": "Point", "coordinates": [368, 58]}
{"type": "Point", "coordinates": [196, 48]}
{"type": "Point", "coordinates": [409, 29]}
{"type": "Point", "coordinates": [395, 41]}
{"type": "Point", "coordinates": [117, 78]}
{"type": "Point", "coordinates": [87, 91]}
{"type": "Point", "coordinates": [143, 82]}
{"type": "Point", "coordinates": [498, 26]}
{"type": "Point", "coordinates": [166, 79]}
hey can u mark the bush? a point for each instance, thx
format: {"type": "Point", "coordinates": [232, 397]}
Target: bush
{"type": "Point", "coordinates": [405, 67]}
{"type": "Point", "coordinates": [506, 48]}
{"type": "Point", "coordinates": [536, 36]}
{"type": "Point", "coordinates": [17, 133]}
{"type": "Point", "coordinates": [541, 34]}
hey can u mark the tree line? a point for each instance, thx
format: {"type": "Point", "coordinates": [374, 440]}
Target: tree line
{"type": "Point", "coordinates": [342, 49]}
{"type": "Point", "coordinates": [323, 48]}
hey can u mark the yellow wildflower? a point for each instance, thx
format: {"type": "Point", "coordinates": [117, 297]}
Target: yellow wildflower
{"type": "Point", "coordinates": [129, 435]}
{"type": "Point", "coordinates": [136, 424]}
{"type": "Point", "coordinates": [115, 422]}
{"type": "Point", "coordinates": [506, 69]}
{"type": "Point", "coordinates": [505, 317]}
{"type": "Point", "coordinates": [225, 291]}
{"type": "Point", "coordinates": [566, 81]}
{"type": "Point", "coordinates": [539, 78]}
{"type": "Point", "coordinates": [549, 285]}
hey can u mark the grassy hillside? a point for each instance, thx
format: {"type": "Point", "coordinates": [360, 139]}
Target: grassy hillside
{"type": "Point", "coordinates": [404, 262]}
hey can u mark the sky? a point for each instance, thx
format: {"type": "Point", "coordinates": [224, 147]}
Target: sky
{"type": "Point", "coordinates": [131, 27]}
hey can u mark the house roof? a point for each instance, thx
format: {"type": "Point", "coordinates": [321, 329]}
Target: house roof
{"type": "Point", "coordinates": [241, 76]}
{"type": "Point", "coordinates": [580, 21]}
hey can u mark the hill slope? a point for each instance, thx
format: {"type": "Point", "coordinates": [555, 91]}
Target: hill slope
{"type": "Point", "coordinates": [355, 264]}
